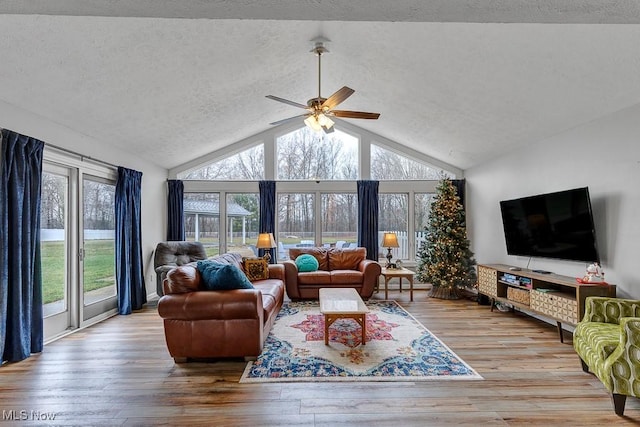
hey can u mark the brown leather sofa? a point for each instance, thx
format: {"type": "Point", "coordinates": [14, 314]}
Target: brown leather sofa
{"type": "Point", "coordinates": [201, 323]}
{"type": "Point", "coordinates": [337, 268]}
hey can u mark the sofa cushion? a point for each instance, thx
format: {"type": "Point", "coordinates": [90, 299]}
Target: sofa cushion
{"type": "Point", "coordinates": [216, 276]}
{"type": "Point", "coordinates": [307, 262]}
{"type": "Point", "coordinates": [346, 277]}
{"type": "Point", "coordinates": [319, 253]}
{"type": "Point", "coordinates": [183, 279]}
{"type": "Point", "coordinates": [255, 268]}
{"type": "Point", "coordinates": [346, 259]}
{"type": "Point", "coordinates": [314, 278]}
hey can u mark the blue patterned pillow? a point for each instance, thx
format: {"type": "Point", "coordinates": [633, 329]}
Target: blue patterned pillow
{"type": "Point", "coordinates": [307, 262]}
{"type": "Point", "coordinates": [217, 277]}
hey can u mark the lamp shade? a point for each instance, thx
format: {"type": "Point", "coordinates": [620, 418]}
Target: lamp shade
{"type": "Point", "coordinates": [266, 241]}
{"type": "Point", "coordinates": [390, 240]}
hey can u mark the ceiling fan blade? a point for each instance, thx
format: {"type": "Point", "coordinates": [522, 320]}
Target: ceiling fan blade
{"type": "Point", "coordinates": [337, 97]}
{"type": "Point", "coordinates": [286, 101]}
{"type": "Point", "coordinates": [290, 119]}
{"type": "Point", "coordinates": [354, 114]}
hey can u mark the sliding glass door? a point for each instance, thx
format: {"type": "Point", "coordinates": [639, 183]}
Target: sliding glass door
{"type": "Point", "coordinates": [98, 246]}
{"type": "Point", "coordinates": [77, 234]}
{"type": "Point", "coordinates": [56, 242]}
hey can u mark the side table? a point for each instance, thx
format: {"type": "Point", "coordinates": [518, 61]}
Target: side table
{"type": "Point", "coordinates": [400, 273]}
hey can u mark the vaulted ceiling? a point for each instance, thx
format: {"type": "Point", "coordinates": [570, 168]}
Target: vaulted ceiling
{"type": "Point", "coordinates": [462, 81]}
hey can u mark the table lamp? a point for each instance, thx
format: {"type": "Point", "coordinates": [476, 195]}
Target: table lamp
{"type": "Point", "coordinates": [389, 240]}
{"type": "Point", "coordinates": [266, 242]}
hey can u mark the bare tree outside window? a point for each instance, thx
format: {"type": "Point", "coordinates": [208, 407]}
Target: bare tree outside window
{"type": "Point", "coordinates": [387, 165]}
{"type": "Point", "coordinates": [305, 154]}
{"type": "Point", "coordinates": [247, 165]}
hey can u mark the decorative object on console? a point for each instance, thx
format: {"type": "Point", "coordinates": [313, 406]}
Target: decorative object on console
{"type": "Point", "coordinates": [389, 240]}
{"type": "Point", "coordinates": [594, 275]}
{"type": "Point", "coordinates": [266, 242]}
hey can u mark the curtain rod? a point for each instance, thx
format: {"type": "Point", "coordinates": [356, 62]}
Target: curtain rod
{"type": "Point", "coordinates": [82, 156]}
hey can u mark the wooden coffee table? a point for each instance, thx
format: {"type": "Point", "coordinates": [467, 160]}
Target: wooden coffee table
{"type": "Point", "coordinates": [342, 303]}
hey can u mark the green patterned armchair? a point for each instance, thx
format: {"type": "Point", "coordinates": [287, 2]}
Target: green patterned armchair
{"type": "Point", "coordinates": [608, 343]}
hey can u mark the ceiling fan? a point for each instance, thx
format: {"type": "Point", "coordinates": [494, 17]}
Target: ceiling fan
{"type": "Point", "coordinates": [319, 109]}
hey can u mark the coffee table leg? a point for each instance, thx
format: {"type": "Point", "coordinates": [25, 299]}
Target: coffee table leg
{"type": "Point", "coordinates": [411, 286]}
{"type": "Point", "coordinates": [364, 329]}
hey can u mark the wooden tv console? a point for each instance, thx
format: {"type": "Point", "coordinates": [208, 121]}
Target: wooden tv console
{"type": "Point", "coordinates": [558, 297]}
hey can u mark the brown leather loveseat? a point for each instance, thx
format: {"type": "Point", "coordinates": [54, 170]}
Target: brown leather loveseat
{"type": "Point", "coordinates": [337, 268]}
{"type": "Point", "coordinates": [201, 323]}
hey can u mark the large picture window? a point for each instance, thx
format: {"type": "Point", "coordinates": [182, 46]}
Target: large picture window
{"type": "Point", "coordinates": [305, 154]}
{"type": "Point", "coordinates": [248, 164]}
{"type": "Point", "coordinates": [316, 178]}
{"type": "Point", "coordinates": [242, 220]}
{"type": "Point", "coordinates": [393, 217]}
{"type": "Point", "coordinates": [202, 220]}
{"type": "Point", "coordinates": [339, 213]}
{"type": "Point", "coordinates": [386, 164]}
{"type": "Point", "coordinates": [296, 222]}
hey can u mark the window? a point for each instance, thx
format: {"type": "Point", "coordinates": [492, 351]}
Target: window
{"type": "Point", "coordinates": [387, 165]}
{"type": "Point", "coordinates": [316, 189]}
{"type": "Point", "coordinates": [242, 219]}
{"type": "Point", "coordinates": [422, 211]}
{"type": "Point", "coordinates": [99, 280]}
{"type": "Point", "coordinates": [53, 247]}
{"type": "Point", "coordinates": [339, 213]}
{"type": "Point", "coordinates": [393, 217]}
{"type": "Point", "coordinates": [247, 165]}
{"type": "Point", "coordinates": [202, 220]}
{"type": "Point", "coordinates": [305, 154]}
{"type": "Point", "coordinates": [296, 223]}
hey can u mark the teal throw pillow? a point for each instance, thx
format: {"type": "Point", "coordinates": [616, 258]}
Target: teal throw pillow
{"type": "Point", "coordinates": [307, 262]}
{"type": "Point", "coordinates": [217, 277]}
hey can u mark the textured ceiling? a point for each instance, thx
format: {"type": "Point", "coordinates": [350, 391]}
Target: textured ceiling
{"type": "Point", "coordinates": [491, 76]}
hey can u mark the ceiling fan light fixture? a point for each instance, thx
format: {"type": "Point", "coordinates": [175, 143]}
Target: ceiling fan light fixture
{"type": "Point", "coordinates": [319, 109]}
{"type": "Point", "coordinates": [313, 123]}
{"type": "Point", "coordinates": [325, 121]}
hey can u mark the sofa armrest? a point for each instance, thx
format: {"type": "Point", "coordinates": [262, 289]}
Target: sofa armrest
{"type": "Point", "coordinates": [619, 372]}
{"type": "Point", "coordinates": [220, 305]}
{"type": "Point", "coordinates": [371, 271]}
{"type": "Point", "coordinates": [609, 310]}
{"type": "Point", "coordinates": [276, 271]}
{"type": "Point", "coordinates": [291, 278]}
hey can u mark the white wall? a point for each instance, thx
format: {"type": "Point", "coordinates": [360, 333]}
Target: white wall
{"type": "Point", "coordinates": [603, 155]}
{"type": "Point", "coordinates": [153, 176]}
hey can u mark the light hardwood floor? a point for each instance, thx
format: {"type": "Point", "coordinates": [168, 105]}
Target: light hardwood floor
{"type": "Point", "coordinates": [119, 372]}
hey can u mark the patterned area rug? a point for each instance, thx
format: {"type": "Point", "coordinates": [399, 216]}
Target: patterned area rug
{"type": "Point", "coordinates": [398, 348]}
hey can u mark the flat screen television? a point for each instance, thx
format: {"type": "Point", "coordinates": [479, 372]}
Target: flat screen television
{"type": "Point", "coordinates": [554, 225]}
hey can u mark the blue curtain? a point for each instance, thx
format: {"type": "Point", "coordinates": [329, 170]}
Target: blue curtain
{"type": "Point", "coordinates": [175, 210]}
{"type": "Point", "coordinates": [21, 323]}
{"type": "Point", "coordinates": [459, 184]}
{"type": "Point", "coordinates": [268, 214]}
{"type": "Point", "coordinates": [129, 266]}
{"type": "Point", "coordinates": [368, 217]}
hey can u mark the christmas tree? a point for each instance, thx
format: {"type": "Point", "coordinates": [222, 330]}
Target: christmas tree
{"type": "Point", "coordinates": [444, 258]}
